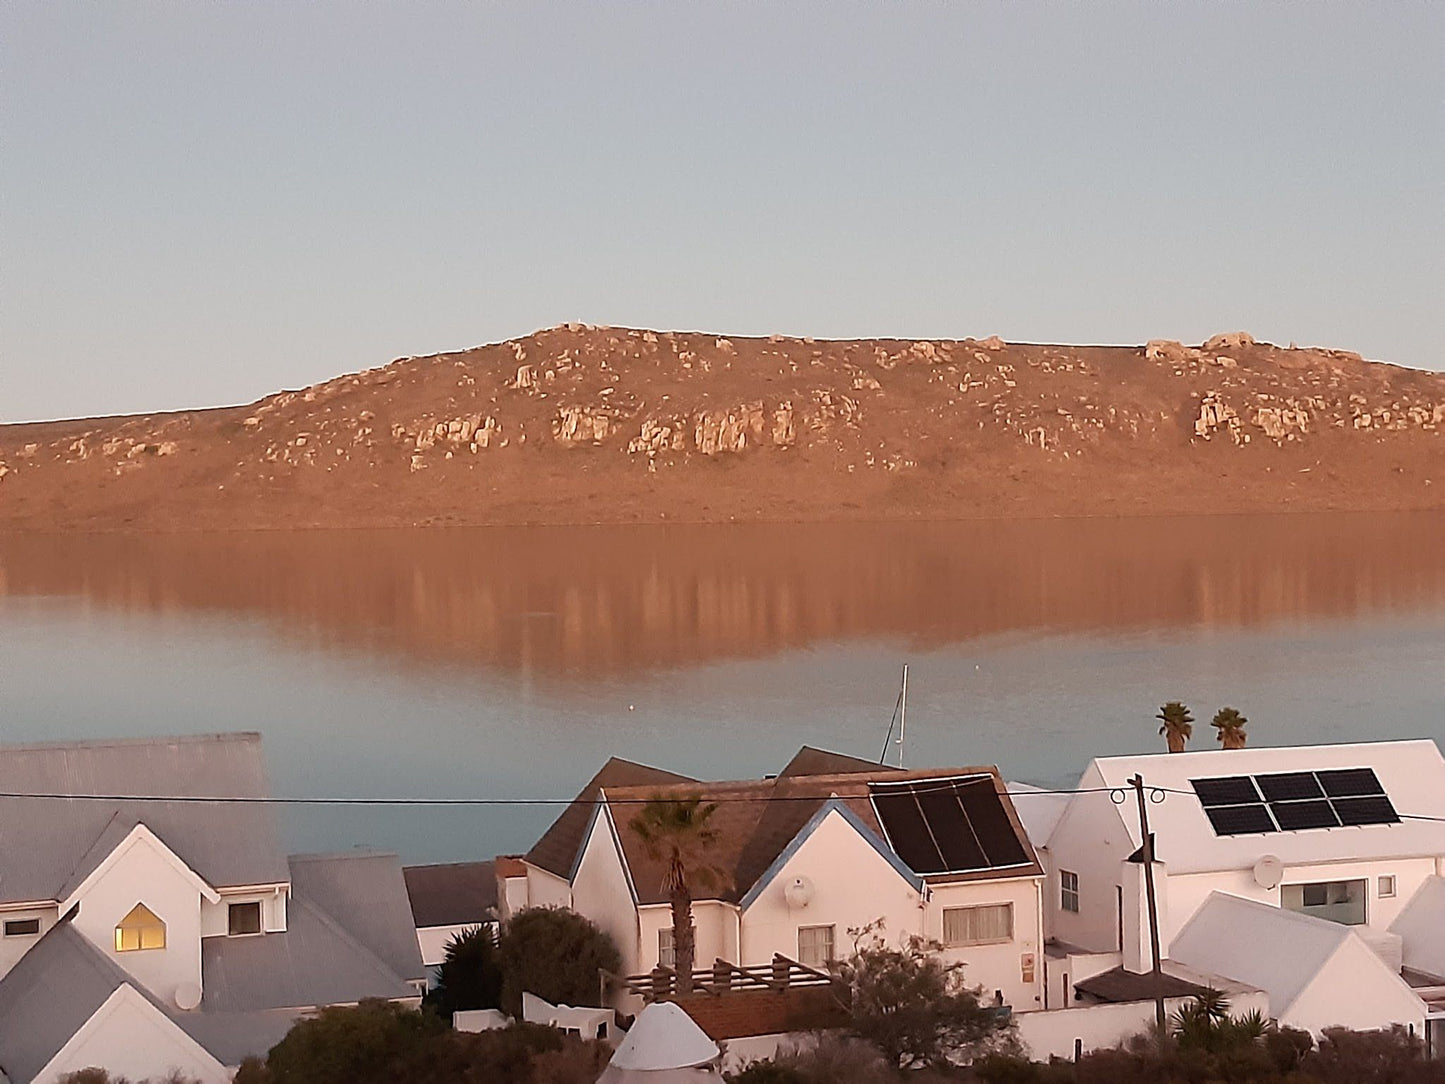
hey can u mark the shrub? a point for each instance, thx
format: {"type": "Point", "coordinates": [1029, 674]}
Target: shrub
{"type": "Point", "coordinates": [557, 955]}
{"type": "Point", "coordinates": [470, 975]}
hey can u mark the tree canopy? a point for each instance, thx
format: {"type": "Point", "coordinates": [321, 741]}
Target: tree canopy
{"type": "Point", "coordinates": [557, 955]}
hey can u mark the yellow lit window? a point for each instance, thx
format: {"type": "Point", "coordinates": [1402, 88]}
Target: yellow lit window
{"type": "Point", "coordinates": [140, 929]}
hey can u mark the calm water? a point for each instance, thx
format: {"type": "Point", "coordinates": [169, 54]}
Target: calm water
{"type": "Point", "coordinates": [511, 663]}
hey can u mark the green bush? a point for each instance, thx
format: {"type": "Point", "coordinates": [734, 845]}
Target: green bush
{"type": "Point", "coordinates": [555, 954]}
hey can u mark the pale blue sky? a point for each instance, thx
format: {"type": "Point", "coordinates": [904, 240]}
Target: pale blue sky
{"type": "Point", "coordinates": [203, 202]}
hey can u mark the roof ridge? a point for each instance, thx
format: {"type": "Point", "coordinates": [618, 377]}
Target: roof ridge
{"type": "Point", "coordinates": [333, 856]}
{"type": "Point", "coordinates": [247, 736]}
{"type": "Point", "coordinates": [884, 774]}
{"type": "Point", "coordinates": [1270, 748]}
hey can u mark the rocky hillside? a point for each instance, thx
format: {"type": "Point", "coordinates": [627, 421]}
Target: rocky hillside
{"type": "Point", "coordinates": [601, 424]}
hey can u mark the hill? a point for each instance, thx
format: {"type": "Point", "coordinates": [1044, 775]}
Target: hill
{"type": "Point", "coordinates": [598, 424]}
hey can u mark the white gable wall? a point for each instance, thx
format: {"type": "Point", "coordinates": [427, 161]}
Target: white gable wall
{"type": "Point", "coordinates": [216, 919]}
{"type": "Point", "coordinates": [1091, 842]}
{"type": "Point", "coordinates": [143, 872]}
{"type": "Point", "coordinates": [129, 1037]}
{"type": "Point", "coordinates": [600, 891]}
{"type": "Point", "coordinates": [852, 886]}
{"type": "Point", "coordinates": [1354, 990]}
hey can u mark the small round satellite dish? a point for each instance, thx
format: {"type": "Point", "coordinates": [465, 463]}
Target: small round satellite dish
{"type": "Point", "coordinates": [188, 996]}
{"type": "Point", "coordinates": [799, 892]}
{"type": "Point", "coordinates": [1268, 871]}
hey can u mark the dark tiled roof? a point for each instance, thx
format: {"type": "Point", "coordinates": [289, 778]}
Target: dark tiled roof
{"type": "Point", "coordinates": [755, 820]}
{"type": "Point", "coordinates": [811, 761]}
{"type": "Point", "coordinates": [456, 894]}
{"type": "Point", "coordinates": [557, 849]}
{"type": "Point", "coordinates": [1121, 985]}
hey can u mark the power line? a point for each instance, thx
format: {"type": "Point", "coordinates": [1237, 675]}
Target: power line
{"type": "Point", "coordinates": [203, 799]}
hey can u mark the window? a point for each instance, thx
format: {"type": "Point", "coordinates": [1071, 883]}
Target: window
{"type": "Point", "coordinates": [242, 918]}
{"type": "Point", "coordinates": [1337, 901]}
{"type": "Point", "coordinates": [22, 927]}
{"type": "Point", "coordinates": [666, 949]}
{"type": "Point", "coordinates": [140, 929]}
{"type": "Point", "coordinates": [978, 925]}
{"type": "Point", "coordinates": [1069, 891]}
{"type": "Point", "coordinates": [815, 945]}
{"type": "Point", "coordinates": [1387, 886]}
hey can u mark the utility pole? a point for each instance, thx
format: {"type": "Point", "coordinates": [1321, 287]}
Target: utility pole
{"type": "Point", "coordinates": [1147, 852]}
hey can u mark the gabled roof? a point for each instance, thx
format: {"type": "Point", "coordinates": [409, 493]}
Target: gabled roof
{"type": "Point", "coordinates": [348, 936]}
{"type": "Point", "coordinates": [1412, 773]}
{"type": "Point", "coordinates": [811, 761]}
{"type": "Point", "coordinates": [45, 998]}
{"type": "Point", "coordinates": [756, 820]}
{"type": "Point", "coordinates": [454, 894]}
{"type": "Point", "coordinates": [1039, 810]}
{"type": "Point", "coordinates": [556, 851]}
{"type": "Point", "coordinates": [1276, 950]}
{"type": "Point", "coordinates": [48, 845]}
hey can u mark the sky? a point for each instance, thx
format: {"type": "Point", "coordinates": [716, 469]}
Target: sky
{"type": "Point", "coordinates": [202, 203]}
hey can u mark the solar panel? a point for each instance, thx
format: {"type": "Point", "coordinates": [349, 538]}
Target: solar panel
{"type": "Point", "coordinates": [991, 824]}
{"type": "Point", "coordinates": [1225, 790]}
{"type": "Point", "coordinates": [948, 825]}
{"type": "Point", "coordinates": [907, 832]}
{"type": "Point", "coordinates": [1372, 809]}
{"type": "Point", "coordinates": [1294, 816]}
{"type": "Point", "coordinates": [951, 829]}
{"type": "Point", "coordinates": [1350, 782]}
{"type": "Point", "coordinates": [1289, 786]}
{"type": "Point", "coordinates": [1239, 820]}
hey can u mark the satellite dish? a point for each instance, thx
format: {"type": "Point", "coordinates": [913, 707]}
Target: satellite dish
{"type": "Point", "coordinates": [188, 996]}
{"type": "Point", "coordinates": [799, 892]}
{"type": "Point", "coordinates": [1268, 871]}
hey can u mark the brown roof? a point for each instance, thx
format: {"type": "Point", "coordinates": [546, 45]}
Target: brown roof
{"type": "Point", "coordinates": [510, 865]}
{"type": "Point", "coordinates": [456, 894]}
{"type": "Point", "coordinates": [811, 761]}
{"type": "Point", "coordinates": [556, 851]}
{"type": "Point", "coordinates": [1121, 985]}
{"type": "Point", "coordinates": [755, 820]}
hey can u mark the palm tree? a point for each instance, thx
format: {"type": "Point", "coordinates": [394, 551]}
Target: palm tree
{"type": "Point", "coordinates": [1230, 725]}
{"type": "Point", "coordinates": [677, 833]}
{"type": "Point", "coordinates": [1178, 725]}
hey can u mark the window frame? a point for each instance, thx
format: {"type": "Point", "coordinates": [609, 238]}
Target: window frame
{"type": "Point", "coordinates": [10, 922]}
{"type": "Point", "coordinates": [1007, 907]}
{"type": "Point", "coordinates": [1329, 889]}
{"type": "Point", "coordinates": [832, 942]}
{"type": "Point", "coordinates": [231, 909]}
{"type": "Point", "coordinates": [1068, 891]}
{"type": "Point", "coordinates": [143, 932]}
{"type": "Point", "coordinates": [669, 949]}
{"type": "Point", "coordinates": [1381, 881]}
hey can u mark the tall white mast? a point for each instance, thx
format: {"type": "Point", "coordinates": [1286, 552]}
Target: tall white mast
{"type": "Point", "coordinates": [903, 716]}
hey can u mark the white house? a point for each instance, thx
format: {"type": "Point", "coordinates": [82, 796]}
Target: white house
{"type": "Point", "coordinates": [447, 901]}
{"type": "Point", "coordinates": [145, 935]}
{"type": "Point", "coordinates": [1333, 833]}
{"type": "Point", "coordinates": [829, 845]}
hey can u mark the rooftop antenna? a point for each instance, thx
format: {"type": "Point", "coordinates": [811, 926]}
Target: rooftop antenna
{"type": "Point", "coordinates": [900, 715]}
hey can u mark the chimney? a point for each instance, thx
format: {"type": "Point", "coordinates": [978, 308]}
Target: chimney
{"type": "Point", "coordinates": [1137, 955]}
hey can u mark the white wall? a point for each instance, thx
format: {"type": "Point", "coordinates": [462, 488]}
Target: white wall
{"type": "Point", "coordinates": [144, 873]}
{"type": "Point", "coordinates": [1090, 841]}
{"type": "Point", "coordinates": [1187, 892]}
{"type": "Point", "coordinates": [543, 890]}
{"type": "Point", "coordinates": [215, 919]}
{"type": "Point", "coordinates": [600, 892]}
{"type": "Point", "coordinates": [997, 966]}
{"type": "Point", "coordinates": [128, 1037]}
{"type": "Point", "coordinates": [852, 885]}
{"type": "Point", "coordinates": [1355, 990]}
{"type": "Point", "coordinates": [1052, 1034]}
{"type": "Point", "coordinates": [12, 948]}
{"type": "Point", "coordinates": [433, 941]}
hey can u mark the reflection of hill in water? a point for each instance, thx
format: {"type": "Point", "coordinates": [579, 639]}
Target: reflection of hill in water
{"type": "Point", "coordinates": [600, 600]}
